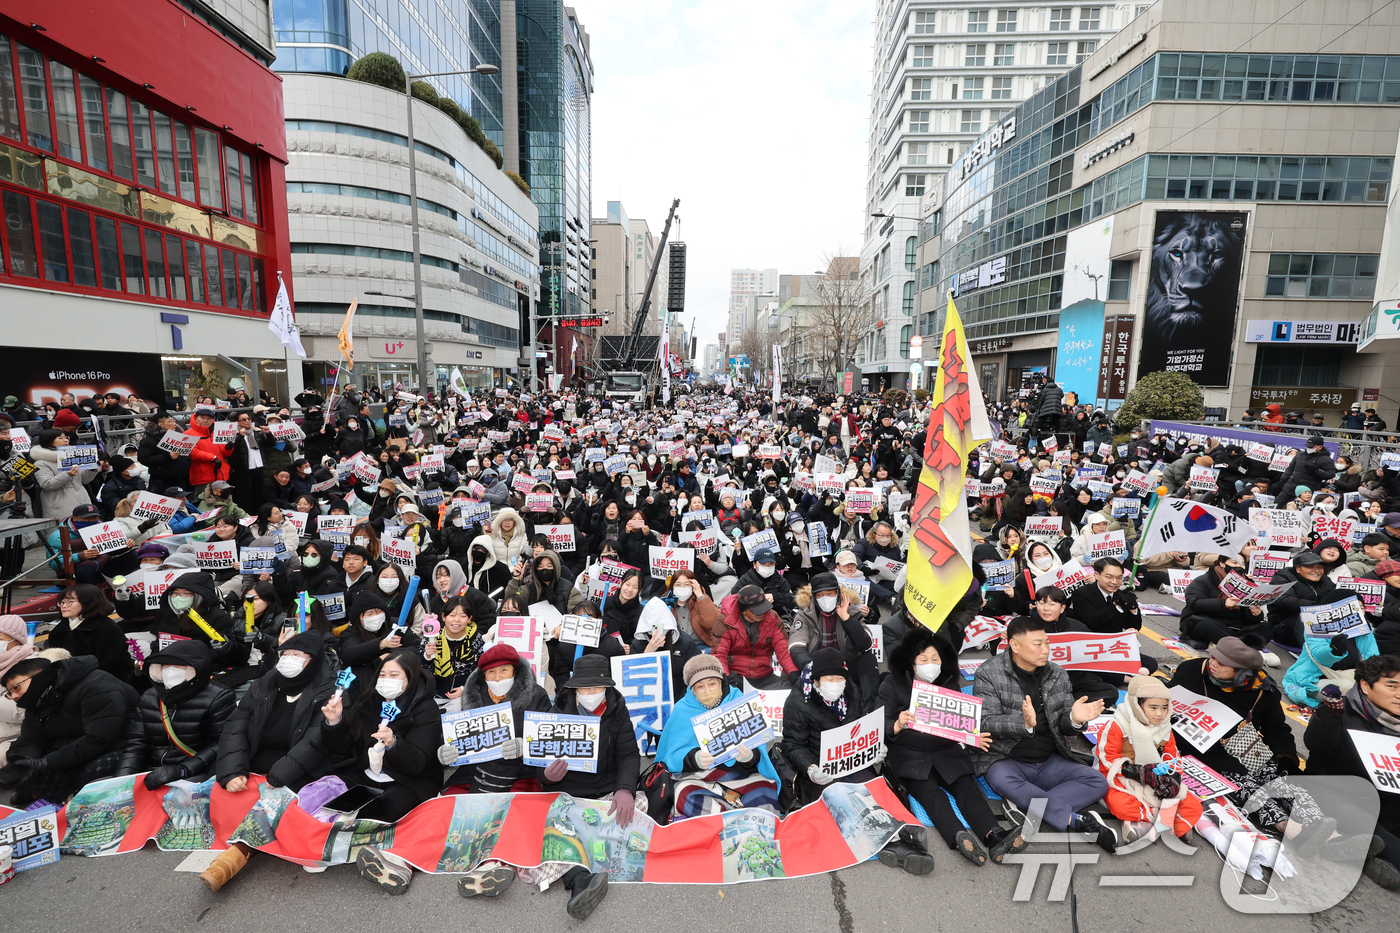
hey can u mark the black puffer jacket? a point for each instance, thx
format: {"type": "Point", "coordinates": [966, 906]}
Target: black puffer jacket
{"type": "Point", "coordinates": [806, 717]}
{"type": "Point", "coordinates": [1310, 469]}
{"type": "Point", "coordinates": [1331, 751]}
{"type": "Point", "coordinates": [499, 776]}
{"type": "Point", "coordinates": [242, 734]}
{"type": "Point", "coordinates": [1286, 611]}
{"type": "Point", "coordinates": [619, 761]}
{"type": "Point", "coordinates": [197, 710]}
{"type": "Point", "coordinates": [81, 715]}
{"type": "Point", "coordinates": [412, 761]}
{"type": "Point", "coordinates": [233, 650]}
{"type": "Point", "coordinates": [915, 754]}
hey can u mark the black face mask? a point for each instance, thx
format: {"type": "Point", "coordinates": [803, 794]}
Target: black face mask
{"type": "Point", "coordinates": [545, 574]}
{"type": "Point", "coordinates": [478, 555]}
{"type": "Point", "coordinates": [39, 685]}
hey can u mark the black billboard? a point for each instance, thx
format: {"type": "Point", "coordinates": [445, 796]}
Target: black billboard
{"type": "Point", "coordinates": [37, 375]}
{"type": "Point", "coordinates": [1193, 289]}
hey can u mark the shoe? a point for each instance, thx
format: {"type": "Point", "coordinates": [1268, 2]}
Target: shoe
{"type": "Point", "coordinates": [1009, 842]}
{"type": "Point", "coordinates": [969, 848]}
{"type": "Point", "coordinates": [1165, 589]}
{"type": "Point", "coordinates": [1135, 830]}
{"type": "Point", "coordinates": [900, 854]}
{"type": "Point", "coordinates": [489, 882]}
{"type": "Point", "coordinates": [588, 896]}
{"type": "Point", "coordinates": [1195, 643]}
{"type": "Point", "coordinates": [1270, 658]}
{"type": "Point", "coordinates": [377, 867]}
{"type": "Point", "coordinates": [1352, 848]}
{"type": "Point", "coordinates": [1382, 873]}
{"type": "Point", "coordinates": [1091, 824]}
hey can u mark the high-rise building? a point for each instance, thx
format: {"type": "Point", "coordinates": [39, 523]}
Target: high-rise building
{"type": "Point", "coordinates": [623, 249]}
{"type": "Point", "coordinates": [744, 284]}
{"type": "Point", "coordinates": [944, 72]}
{"type": "Point", "coordinates": [712, 361]}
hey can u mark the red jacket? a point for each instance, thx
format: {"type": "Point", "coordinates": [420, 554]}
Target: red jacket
{"type": "Point", "coordinates": [205, 453]}
{"type": "Point", "coordinates": [738, 656]}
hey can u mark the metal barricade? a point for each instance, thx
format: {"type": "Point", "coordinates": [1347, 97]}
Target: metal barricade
{"type": "Point", "coordinates": [1361, 447]}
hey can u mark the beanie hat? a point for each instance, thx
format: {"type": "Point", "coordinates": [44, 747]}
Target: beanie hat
{"type": "Point", "coordinates": [14, 627]}
{"type": "Point", "coordinates": [828, 661]}
{"type": "Point", "coordinates": [498, 654]}
{"type": "Point", "coordinates": [66, 418]}
{"type": "Point", "coordinates": [700, 667]}
{"type": "Point", "coordinates": [1299, 490]}
{"type": "Point", "coordinates": [309, 641]}
{"type": "Point", "coordinates": [824, 582]}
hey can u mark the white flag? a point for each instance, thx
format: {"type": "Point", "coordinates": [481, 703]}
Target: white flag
{"type": "Point", "coordinates": [459, 384]}
{"type": "Point", "coordinates": [282, 323]}
{"type": "Point", "coordinates": [777, 373]}
{"type": "Point", "coordinates": [1184, 525]}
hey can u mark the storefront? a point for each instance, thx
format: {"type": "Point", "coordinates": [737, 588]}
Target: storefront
{"type": "Point", "coordinates": [1023, 366]}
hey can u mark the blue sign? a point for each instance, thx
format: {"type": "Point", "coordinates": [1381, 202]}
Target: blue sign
{"type": "Point", "coordinates": [1081, 339]}
{"type": "Point", "coordinates": [644, 680]}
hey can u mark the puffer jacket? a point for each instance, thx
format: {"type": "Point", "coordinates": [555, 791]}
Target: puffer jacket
{"type": "Point", "coordinates": [532, 590]}
{"type": "Point", "coordinates": [305, 760]}
{"type": "Point", "coordinates": [208, 461]}
{"type": "Point", "coordinates": [196, 709]}
{"type": "Point", "coordinates": [59, 493]}
{"type": "Point", "coordinates": [619, 760]}
{"type": "Point", "coordinates": [499, 776]}
{"type": "Point", "coordinates": [233, 651]}
{"type": "Point", "coordinates": [412, 761]}
{"type": "Point", "coordinates": [806, 717]}
{"type": "Point", "coordinates": [1309, 468]}
{"type": "Point", "coordinates": [752, 659]}
{"type": "Point", "coordinates": [804, 635]}
{"type": "Point", "coordinates": [82, 716]}
{"type": "Point", "coordinates": [1286, 611]}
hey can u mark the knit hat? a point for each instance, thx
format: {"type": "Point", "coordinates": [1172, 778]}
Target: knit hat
{"type": "Point", "coordinates": [700, 667]}
{"type": "Point", "coordinates": [1299, 490]}
{"type": "Point", "coordinates": [825, 582]}
{"type": "Point", "coordinates": [828, 661]}
{"type": "Point", "coordinates": [1387, 568]}
{"type": "Point", "coordinates": [498, 654]}
{"type": "Point", "coordinates": [121, 465]}
{"type": "Point", "coordinates": [591, 670]}
{"type": "Point", "coordinates": [66, 418]}
{"type": "Point", "coordinates": [1235, 653]}
{"type": "Point", "coordinates": [14, 627]}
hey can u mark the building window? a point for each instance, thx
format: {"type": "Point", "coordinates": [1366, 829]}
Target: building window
{"type": "Point", "coordinates": [1084, 50]}
{"type": "Point", "coordinates": [1139, 9]}
{"type": "Point", "coordinates": [977, 20]}
{"type": "Point", "coordinates": [1299, 366]}
{"type": "Point", "coordinates": [914, 186]}
{"type": "Point", "coordinates": [1120, 280]}
{"type": "Point", "coordinates": [996, 116]}
{"type": "Point", "coordinates": [1268, 178]}
{"type": "Point", "coordinates": [1006, 20]}
{"type": "Point", "coordinates": [1057, 53]}
{"type": "Point", "coordinates": [1089, 18]}
{"type": "Point", "coordinates": [972, 89]}
{"type": "Point", "coordinates": [1001, 88]}
{"type": "Point", "coordinates": [905, 333]}
{"type": "Point", "coordinates": [1060, 19]}
{"type": "Point", "coordinates": [882, 267]}
{"type": "Point", "coordinates": [911, 254]}
{"type": "Point", "coordinates": [918, 121]}
{"type": "Point", "coordinates": [976, 56]}
{"type": "Point", "coordinates": [1322, 275]}
{"type": "Point", "coordinates": [971, 122]}
{"type": "Point", "coordinates": [1005, 54]}
{"type": "Point", "coordinates": [916, 154]}
{"type": "Point", "coordinates": [923, 24]}
{"type": "Point", "coordinates": [908, 306]}
{"type": "Point", "coordinates": [921, 89]}
{"type": "Point", "coordinates": [923, 57]}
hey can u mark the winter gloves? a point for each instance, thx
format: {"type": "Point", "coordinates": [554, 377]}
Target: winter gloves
{"type": "Point", "coordinates": [817, 776]}
{"type": "Point", "coordinates": [164, 774]}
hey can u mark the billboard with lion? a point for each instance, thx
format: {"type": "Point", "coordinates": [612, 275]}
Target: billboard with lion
{"type": "Point", "coordinates": [1193, 289]}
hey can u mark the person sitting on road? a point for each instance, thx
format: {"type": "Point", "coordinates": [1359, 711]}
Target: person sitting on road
{"type": "Point", "coordinates": [1210, 615]}
{"type": "Point", "coordinates": [752, 639]}
{"type": "Point", "coordinates": [175, 733]}
{"type": "Point", "coordinates": [826, 619]}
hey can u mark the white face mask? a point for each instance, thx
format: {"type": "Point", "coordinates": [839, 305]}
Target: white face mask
{"type": "Point", "coordinates": [1341, 465]}
{"type": "Point", "coordinates": [388, 687]}
{"type": "Point", "coordinates": [458, 521]}
{"type": "Point", "coordinates": [289, 666]}
{"type": "Point", "coordinates": [779, 515]}
{"type": "Point", "coordinates": [682, 593]}
{"type": "Point", "coordinates": [799, 527]}
{"type": "Point", "coordinates": [831, 692]}
{"type": "Point", "coordinates": [390, 585]}
{"type": "Point", "coordinates": [928, 673]}
{"type": "Point", "coordinates": [1043, 562]}
{"type": "Point", "coordinates": [373, 623]}
{"type": "Point", "coordinates": [765, 570]}
{"type": "Point", "coordinates": [827, 603]}
{"type": "Point", "coordinates": [500, 688]}
{"type": "Point", "coordinates": [591, 701]}
{"type": "Point", "coordinates": [172, 675]}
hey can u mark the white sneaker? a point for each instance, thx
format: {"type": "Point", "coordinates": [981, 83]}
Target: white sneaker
{"type": "Point", "coordinates": [1271, 659]}
{"type": "Point", "coordinates": [1165, 589]}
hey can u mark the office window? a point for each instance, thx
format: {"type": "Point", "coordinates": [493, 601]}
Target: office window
{"type": "Point", "coordinates": [1001, 88]}
{"type": "Point", "coordinates": [916, 153]}
{"type": "Point", "coordinates": [120, 126]}
{"type": "Point", "coordinates": [19, 236]}
{"type": "Point", "coordinates": [923, 24]}
{"type": "Point", "coordinates": [94, 124]}
{"type": "Point", "coordinates": [905, 333]}
{"type": "Point", "coordinates": [9, 102]}
{"type": "Point", "coordinates": [971, 122]}
{"type": "Point", "coordinates": [1139, 9]}
{"type": "Point", "coordinates": [1089, 18]}
{"type": "Point", "coordinates": [977, 20]}
{"type": "Point", "coordinates": [923, 57]}
{"type": "Point", "coordinates": [1084, 50]}
{"type": "Point", "coordinates": [1299, 366]}
{"type": "Point", "coordinates": [914, 186]}
{"type": "Point", "coordinates": [972, 89]}
{"type": "Point", "coordinates": [921, 89]}
{"type": "Point", "coordinates": [918, 121]}
{"type": "Point", "coordinates": [1057, 53]}
{"type": "Point", "coordinates": [51, 239]}
{"type": "Point", "coordinates": [1006, 20]}
{"type": "Point", "coordinates": [908, 305]}
{"type": "Point", "coordinates": [235, 192]}
{"type": "Point", "coordinates": [911, 254]}
{"type": "Point", "coordinates": [976, 56]}
{"type": "Point", "coordinates": [1060, 19]}
{"type": "Point", "coordinates": [35, 89]}
{"type": "Point", "coordinates": [65, 111]}
{"type": "Point", "coordinates": [1120, 280]}
{"type": "Point", "coordinates": [80, 246]}
{"type": "Point", "coordinates": [1005, 54]}
{"type": "Point", "coordinates": [142, 147]}
{"type": "Point", "coordinates": [1322, 275]}
{"type": "Point", "coordinates": [996, 116]}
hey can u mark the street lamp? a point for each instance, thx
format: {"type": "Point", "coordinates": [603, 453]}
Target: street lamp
{"type": "Point", "coordinates": [413, 212]}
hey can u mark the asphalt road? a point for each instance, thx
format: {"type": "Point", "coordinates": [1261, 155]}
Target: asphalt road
{"type": "Point", "coordinates": [144, 893]}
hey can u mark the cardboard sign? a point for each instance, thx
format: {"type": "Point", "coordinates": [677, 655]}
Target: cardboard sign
{"type": "Point", "coordinates": [604, 579]}
{"type": "Point", "coordinates": [854, 746]}
{"type": "Point", "coordinates": [1125, 508]}
{"type": "Point", "coordinates": [83, 455]}
{"type": "Point", "coordinates": [949, 714]}
{"type": "Point", "coordinates": [478, 734]}
{"type": "Point", "coordinates": [1281, 459]}
{"type": "Point", "coordinates": [1343, 617]}
{"type": "Point", "coordinates": [664, 561]}
{"type": "Point", "coordinates": [1278, 528]}
{"type": "Point", "coordinates": [149, 505]}
{"type": "Point", "coordinates": [818, 541]}
{"type": "Point", "coordinates": [983, 630]}
{"type": "Point", "coordinates": [216, 555]}
{"type": "Point", "coordinates": [857, 592]}
{"type": "Point", "coordinates": [1379, 754]}
{"type": "Point", "coordinates": [258, 559]}
{"type": "Point", "coordinates": [1045, 484]}
{"type": "Point", "coordinates": [551, 736]}
{"type": "Point", "coordinates": [1204, 479]}
{"type": "Point", "coordinates": [581, 630]}
{"type": "Point", "coordinates": [739, 722]}
{"type": "Point", "coordinates": [1370, 592]}
{"type": "Point", "coordinates": [561, 537]}
{"type": "Point", "coordinates": [645, 682]}
{"type": "Point", "coordinates": [336, 523]}
{"type": "Point", "coordinates": [1092, 651]}
{"type": "Point", "coordinates": [523, 634]}
{"type": "Point", "coordinates": [1330, 526]}
{"type": "Point", "coordinates": [1262, 566]}
{"type": "Point", "coordinates": [703, 541]}
{"type": "Point", "coordinates": [1140, 481]}
{"type": "Point", "coordinates": [999, 573]}
{"type": "Point", "coordinates": [1047, 528]}
{"type": "Point", "coordinates": [1200, 779]}
{"type": "Point", "coordinates": [157, 582]}
{"type": "Point", "coordinates": [1200, 720]}
{"type": "Point", "coordinates": [333, 605]}
{"type": "Point", "coordinates": [32, 837]}
{"type": "Point", "coordinates": [399, 551]}
{"type": "Point", "coordinates": [752, 544]}
{"type": "Point", "coordinates": [860, 501]}
{"type": "Point", "coordinates": [1069, 577]}
{"type": "Point", "coordinates": [701, 515]}
{"type": "Point", "coordinates": [104, 537]}
{"type": "Point", "coordinates": [1180, 580]}
{"type": "Point", "coordinates": [297, 520]}
{"type": "Point", "coordinates": [1108, 544]}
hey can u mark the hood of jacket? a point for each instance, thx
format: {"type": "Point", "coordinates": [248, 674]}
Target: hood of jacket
{"type": "Point", "coordinates": [516, 532]}
{"type": "Point", "coordinates": [199, 583]}
{"type": "Point", "coordinates": [456, 577]}
{"type": "Point", "coordinates": [187, 653]}
{"type": "Point", "coordinates": [522, 690]}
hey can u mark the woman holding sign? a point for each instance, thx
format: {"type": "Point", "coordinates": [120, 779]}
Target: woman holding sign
{"type": "Point", "coordinates": [190, 609]}
{"type": "Point", "coordinates": [60, 490]}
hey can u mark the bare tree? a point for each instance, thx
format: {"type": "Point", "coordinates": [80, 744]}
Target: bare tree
{"type": "Point", "coordinates": [757, 345]}
{"type": "Point", "coordinates": [841, 316]}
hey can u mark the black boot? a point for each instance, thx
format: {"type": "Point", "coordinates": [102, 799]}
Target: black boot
{"type": "Point", "coordinates": [588, 891]}
{"type": "Point", "coordinates": [908, 851]}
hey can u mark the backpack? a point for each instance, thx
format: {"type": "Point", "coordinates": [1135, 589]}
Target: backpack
{"type": "Point", "coordinates": [660, 789]}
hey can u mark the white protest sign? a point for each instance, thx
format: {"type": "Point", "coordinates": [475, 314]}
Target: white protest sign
{"type": "Point", "coordinates": [581, 630]}
{"type": "Point", "coordinates": [1200, 720]}
{"type": "Point", "coordinates": [1380, 756]}
{"type": "Point", "coordinates": [561, 537]}
{"type": "Point", "coordinates": [854, 746]}
{"type": "Point", "coordinates": [149, 505]}
{"type": "Point", "coordinates": [758, 541]}
{"type": "Point", "coordinates": [773, 702]}
{"type": "Point", "coordinates": [739, 722]}
{"type": "Point", "coordinates": [157, 582]}
{"type": "Point", "coordinates": [1047, 528]}
{"type": "Point", "coordinates": [1344, 617]}
{"type": "Point", "coordinates": [1108, 544]}
{"type": "Point", "coordinates": [664, 561]}
{"type": "Point", "coordinates": [1068, 578]}
{"type": "Point", "coordinates": [216, 555]}
{"type": "Point", "coordinates": [1116, 653]}
{"type": "Point", "coordinates": [982, 630]}
{"type": "Point", "coordinates": [702, 540]}
{"type": "Point", "coordinates": [104, 537]}
{"type": "Point", "coordinates": [1279, 528]}
{"type": "Point", "coordinates": [1180, 580]}
{"type": "Point", "coordinates": [399, 551]}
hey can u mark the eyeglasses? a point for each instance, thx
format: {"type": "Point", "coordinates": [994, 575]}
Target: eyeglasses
{"type": "Point", "coordinates": [68, 600]}
{"type": "Point", "coordinates": [9, 692]}
{"type": "Point", "coordinates": [1113, 577]}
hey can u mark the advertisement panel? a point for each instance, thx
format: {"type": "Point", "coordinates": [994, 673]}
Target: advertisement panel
{"type": "Point", "coordinates": [38, 374]}
{"type": "Point", "coordinates": [1081, 314]}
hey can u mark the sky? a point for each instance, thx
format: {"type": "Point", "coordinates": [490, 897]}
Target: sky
{"type": "Point", "coordinates": [753, 112]}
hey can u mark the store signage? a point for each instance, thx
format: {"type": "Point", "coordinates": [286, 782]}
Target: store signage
{"type": "Point", "coordinates": [990, 142]}
{"type": "Point", "coordinates": [1302, 332]}
{"type": "Point", "coordinates": [989, 273]}
{"type": "Point", "coordinates": [1123, 49]}
{"type": "Point", "coordinates": [1302, 398]}
{"type": "Point", "coordinates": [991, 346]}
{"type": "Point", "coordinates": [1106, 148]}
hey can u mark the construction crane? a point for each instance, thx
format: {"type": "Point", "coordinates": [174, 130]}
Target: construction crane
{"type": "Point", "coordinates": [629, 356]}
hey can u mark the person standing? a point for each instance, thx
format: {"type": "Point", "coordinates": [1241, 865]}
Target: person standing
{"type": "Point", "coordinates": [246, 462]}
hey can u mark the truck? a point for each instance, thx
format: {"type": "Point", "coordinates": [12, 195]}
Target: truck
{"type": "Point", "coordinates": [628, 386]}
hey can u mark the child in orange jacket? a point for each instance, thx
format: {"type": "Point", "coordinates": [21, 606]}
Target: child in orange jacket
{"type": "Point", "coordinates": [1131, 752]}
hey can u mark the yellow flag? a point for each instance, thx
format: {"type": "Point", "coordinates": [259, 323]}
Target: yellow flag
{"type": "Point", "coordinates": [940, 543]}
{"type": "Point", "coordinates": [346, 339]}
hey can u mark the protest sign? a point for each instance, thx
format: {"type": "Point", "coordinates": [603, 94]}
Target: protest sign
{"type": "Point", "coordinates": [1199, 779]}
{"type": "Point", "coordinates": [1093, 651]}
{"type": "Point", "coordinates": [996, 489]}
{"type": "Point", "coordinates": [1125, 508]}
{"type": "Point", "coordinates": [707, 516]}
{"type": "Point", "coordinates": [856, 592]}
{"type": "Point", "coordinates": [644, 680]}
{"type": "Point", "coordinates": [982, 630]}
{"type": "Point", "coordinates": [886, 568]}
{"type": "Point", "coordinates": [1140, 481]}
{"type": "Point", "coordinates": [539, 502]}
{"type": "Point", "coordinates": [1204, 479]}
{"type": "Point", "coordinates": [860, 501]}
{"type": "Point", "coordinates": [829, 482]}
{"type": "Point", "coordinates": [257, 560]}
{"type": "Point", "coordinates": [297, 520]}
{"type": "Point", "coordinates": [157, 582]}
{"type": "Point", "coordinates": [1380, 756]}
{"type": "Point", "coordinates": [478, 734]}
{"type": "Point", "coordinates": [1045, 484]}
{"type": "Point", "coordinates": [1278, 528]}
{"type": "Point", "coordinates": [1200, 720]}
{"type": "Point", "coordinates": [1263, 566]}
{"type": "Point", "coordinates": [722, 730]}
{"type": "Point", "coordinates": [1260, 453]}
{"type": "Point", "coordinates": [581, 630]}
{"type": "Point", "coordinates": [604, 579]}
{"type": "Point", "coordinates": [1180, 580]}
{"type": "Point", "coordinates": [1330, 526]}
{"type": "Point", "coordinates": [773, 702]}
{"type": "Point", "coordinates": [1343, 617]}
{"type": "Point", "coordinates": [1370, 592]}
{"type": "Point", "coordinates": [1003, 449]}
{"type": "Point", "coordinates": [176, 443]}
{"type": "Point", "coordinates": [561, 537]}
{"type": "Point", "coordinates": [1069, 577]}
{"type": "Point", "coordinates": [1108, 544]}
{"type": "Point", "coordinates": [215, 555]}
{"type": "Point", "coordinates": [765, 539]}
{"type": "Point", "coordinates": [1249, 592]}
{"type": "Point", "coordinates": [333, 605]}
{"type": "Point", "coordinates": [32, 837]}
{"type": "Point", "coordinates": [702, 540]}
{"type": "Point", "coordinates": [104, 537]}
{"type": "Point", "coordinates": [523, 634]}
{"type": "Point", "coordinates": [665, 561]}
{"type": "Point", "coordinates": [336, 523]}
{"type": "Point", "coordinates": [853, 746]}
{"type": "Point", "coordinates": [367, 472]}
{"type": "Point", "coordinates": [1281, 459]}
{"type": "Point", "coordinates": [615, 464]}
{"type": "Point", "coordinates": [21, 440]}
{"type": "Point", "coordinates": [399, 551]}
{"type": "Point", "coordinates": [877, 641]}
{"type": "Point", "coordinates": [551, 736]}
{"type": "Point", "coordinates": [1047, 528]}
{"type": "Point", "coordinates": [999, 572]}
{"type": "Point", "coordinates": [224, 432]}
{"type": "Point", "coordinates": [149, 505]}
{"type": "Point", "coordinates": [818, 541]}
{"type": "Point", "coordinates": [949, 714]}
{"type": "Point", "coordinates": [81, 455]}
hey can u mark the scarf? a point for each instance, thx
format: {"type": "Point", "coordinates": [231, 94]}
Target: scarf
{"type": "Point", "coordinates": [1145, 738]}
{"type": "Point", "coordinates": [1363, 707]}
{"type": "Point", "coordinates": [15, 654]}
{"type": "Point", "coordinates": [809, 689]}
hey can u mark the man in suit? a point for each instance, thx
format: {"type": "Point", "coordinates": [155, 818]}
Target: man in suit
{"type": "Point", "coordinates": [1108, 607]}
{"type": "Point", "coordinates": [247, 464]}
